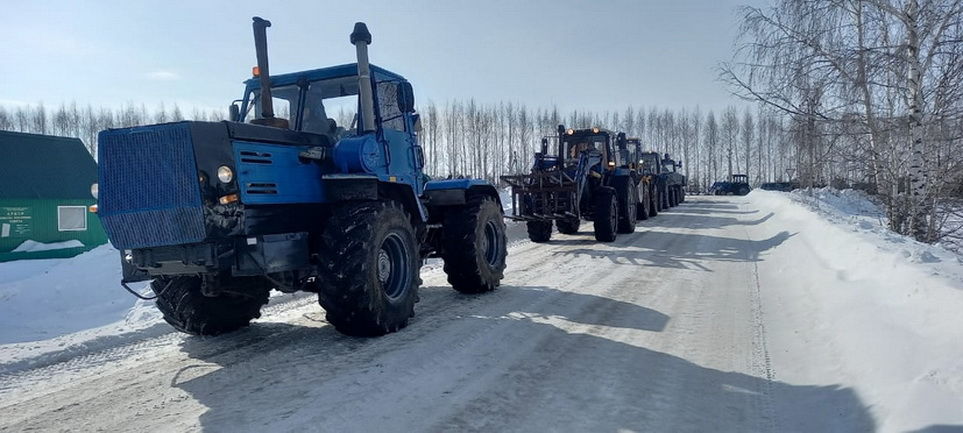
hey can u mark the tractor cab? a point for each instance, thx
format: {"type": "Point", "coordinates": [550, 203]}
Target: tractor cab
{"type": "Point", "coordinates": [669, 165]}
{"type": "Point", "coordinates": [649, 163]}
{"type": "Point", "coordinates": [597, 145]}
{"type": "Point", "coordinates": [311, 101]}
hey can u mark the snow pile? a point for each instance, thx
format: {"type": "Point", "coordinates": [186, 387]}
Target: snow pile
{"type": "Point", "coordinates": [856, 305]}
{"type": "Point", "coordinates": [29, 246]}
{"type": "Point", "coordinates": [42, 299]}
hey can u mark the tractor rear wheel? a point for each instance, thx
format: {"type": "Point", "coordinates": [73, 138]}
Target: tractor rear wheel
{"type": "Point", "coordinates": [187, 309]}
{"type": "Point", "coordinates": [568, 227]}
{"type": "Point", "coordinates": [673, 196]}
{"type": "Point", "coordinates": [627, 198]}
{"type": "Point", "coordinates": [474, 246]}
{"type": "Point", "coordinates": [369, 268]}
{"type": "Point", "coordinates": [606, 214]}
{"type": "Point", "coordinates": [743, 190]}
{"type": "Point", "coordinates": [539, 231]}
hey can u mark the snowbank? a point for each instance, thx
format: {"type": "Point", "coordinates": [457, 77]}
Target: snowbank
{"type": "Point", "coordinates": [883, 313]}
{"type": "Point", "coordinates": [42, 299]}
{"type": "Point", "coordinates": [29, 246]}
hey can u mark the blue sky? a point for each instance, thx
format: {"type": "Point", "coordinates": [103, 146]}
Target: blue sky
{"type": "Point", "coordinates": [574, 54]}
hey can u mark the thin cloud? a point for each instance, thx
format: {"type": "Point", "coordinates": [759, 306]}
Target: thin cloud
{"type": "Point", "coordinates": [163, 75]}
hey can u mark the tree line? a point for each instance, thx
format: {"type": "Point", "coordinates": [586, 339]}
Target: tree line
{"type": "Point", "coordinates": [488, 140]}
{"type": "Point", "coordinates": [84, 122]}
{"type": "Point", "coordinates": [870, 87]}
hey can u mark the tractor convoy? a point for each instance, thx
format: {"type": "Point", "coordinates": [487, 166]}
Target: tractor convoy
{"type": "Point", "coordinates": [594, 175]}
{"type": "Point", "coordinates": [217, 214]}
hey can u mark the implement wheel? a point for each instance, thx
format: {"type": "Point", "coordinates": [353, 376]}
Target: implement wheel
{"type": "Point", "coordinates": [568, 227]}
{"type": "Point", "coordinates": [539, 231]}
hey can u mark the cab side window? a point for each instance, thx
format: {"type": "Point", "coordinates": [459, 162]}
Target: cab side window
{"type": "Point", "coordinates": [391, 115]}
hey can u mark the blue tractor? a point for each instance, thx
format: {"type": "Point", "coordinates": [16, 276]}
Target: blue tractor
{"type": "Point", "coordinates": [217, 214]}
{"type": "Point", "coordinates": [584, 177]}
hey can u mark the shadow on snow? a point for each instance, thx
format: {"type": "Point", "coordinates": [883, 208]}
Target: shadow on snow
{"type": "Point", "coordinates": [276, 376]}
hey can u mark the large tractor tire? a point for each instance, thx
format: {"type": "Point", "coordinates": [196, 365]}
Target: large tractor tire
{"type": "Point", "coordinates": [627, 196]}
{"type": "Point", "coordinates": [606, 214]}
{"type": "Point", "coordinates": [653, 201]}
{"type": "Point", "coordinates": [681, 194]}
{"type": "Point", "coordinates": [369, 268]}
{"type": "Point", "coordinates": [743, 190]}
{"type": "Point", "coordinates": [186, 309]}
{"type": "Point", "coordinates": [568, 227]}
{"type": "Point", "coordinates": [642, 208]}
{"type": "Point", "coordinates": [474, 246]}
{"type": "Point", "coordinates": [673, 196]}
{"type": "Point", "coordinates": [539, 231]}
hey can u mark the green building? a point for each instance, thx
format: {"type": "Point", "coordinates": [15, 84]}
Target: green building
{"type": "Point", "coordinates": [45, 197]}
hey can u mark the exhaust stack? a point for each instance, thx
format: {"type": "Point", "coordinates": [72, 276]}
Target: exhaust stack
{"type": "Point", "coordinates": [361, 38]}
{"type": "Point", "coordinates": [267, 102]}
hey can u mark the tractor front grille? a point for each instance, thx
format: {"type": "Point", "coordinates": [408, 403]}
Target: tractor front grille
{"type": "Point", "coordinates": [149, 190]}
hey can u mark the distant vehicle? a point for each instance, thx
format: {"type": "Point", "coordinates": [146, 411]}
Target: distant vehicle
{"type": "Point", "coordinates": [582, 179]}
{"type": "Point", "coordinates": [779, 186]}
{"type": "Point", "coordinates": [669, 184]}
{"type": "Point", "coordinates": [738, 184]}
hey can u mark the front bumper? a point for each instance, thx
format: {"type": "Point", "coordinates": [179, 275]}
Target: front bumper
{"type": "Point", "coordinates": [239, 256]}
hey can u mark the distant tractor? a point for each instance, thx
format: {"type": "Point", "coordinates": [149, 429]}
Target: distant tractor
{"type": "Point", "coordinates": [738, 184]}
{"type": "Point", "coordinates": [646, 184]}
{"type": "Point", "coordinates": [582, 178]}
{"type": "Point", "coordinates": [670, 185]}
{"type": "Point", "coordinates": [219, 213]}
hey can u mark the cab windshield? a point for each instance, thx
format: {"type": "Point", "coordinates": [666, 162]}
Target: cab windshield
{"type": "Point", "coordinates": [573, 145]}
{"type": "Point", "coordinates": [649, 162]}
{"type": "Point", "coordinates": [325, 106]}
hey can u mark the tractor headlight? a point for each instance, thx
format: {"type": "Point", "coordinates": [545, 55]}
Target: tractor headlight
{"type": "Point", "coordinates": [94, 190]}
{"type": "Point", "coordinates": [225, 174]}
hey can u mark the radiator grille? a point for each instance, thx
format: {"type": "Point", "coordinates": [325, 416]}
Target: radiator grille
{"type": "Point", "coordinates": [150, 193]}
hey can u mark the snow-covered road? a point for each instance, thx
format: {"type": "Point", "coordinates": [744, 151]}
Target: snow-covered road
{"type": "Point", "coordinates": [686, 325]}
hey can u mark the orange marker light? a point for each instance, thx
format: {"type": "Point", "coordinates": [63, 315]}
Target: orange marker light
{"type": "Point", "coordinates": [227, 199]}
{"type": "Point", "coordinates": [256, 71]}
{"type": "Point", "coordinates": [92, 208]}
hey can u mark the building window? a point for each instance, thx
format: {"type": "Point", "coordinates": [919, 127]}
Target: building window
{"type": "Point", "coordinates": [71, 218]}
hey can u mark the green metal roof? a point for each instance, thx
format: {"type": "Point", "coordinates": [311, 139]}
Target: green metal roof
{"type": "Point", "coordinates": [44, 166]}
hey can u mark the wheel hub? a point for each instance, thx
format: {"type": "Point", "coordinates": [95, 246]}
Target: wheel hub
{"type": "Point", "coordinates": [384, 266]}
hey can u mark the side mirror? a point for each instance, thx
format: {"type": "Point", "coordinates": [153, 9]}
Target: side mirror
{"type": "Point", "coordinates": [406, 97]}
{"type": "Point", "coordinates": [235, 113]}
{"type": "Point", "coordinates": [679, 164]}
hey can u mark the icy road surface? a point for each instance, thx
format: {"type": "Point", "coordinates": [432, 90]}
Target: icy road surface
{"type": "Point", "coordinates": [679, 327]}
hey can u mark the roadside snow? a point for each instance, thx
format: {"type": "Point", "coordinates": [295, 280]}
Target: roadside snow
{"type": "Point", "coordinates": [29, 246]}
{"type": "Point", "coordinates": [883, 313]}
{"type": "Point", "coordinates": [44, 299]}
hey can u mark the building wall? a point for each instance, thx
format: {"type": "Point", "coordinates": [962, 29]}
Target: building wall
{"type": "Point", "coordinates": [36, 219]}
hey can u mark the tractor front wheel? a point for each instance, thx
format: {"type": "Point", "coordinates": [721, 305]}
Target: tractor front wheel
{"type": "Point", "coordinates": [475, 246]}
{"type": "Point", "coordinates": [606, 214]}
{"type": "Point", "coordinates": [627, 198]}
{"type": "Point", "coordinates": [654, 201]}
{"type": "Point", "coordinates": [188, 310]}
{"type": "Point", "coordinates": [369, 268]}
